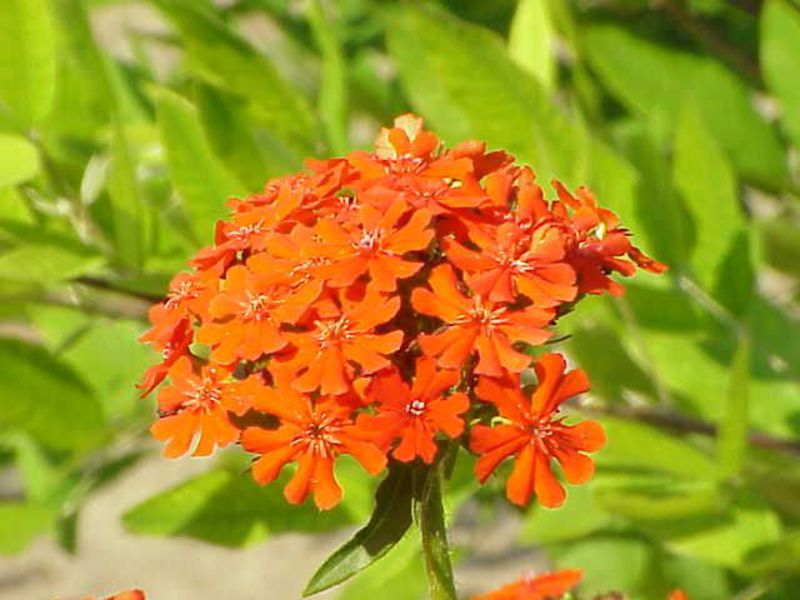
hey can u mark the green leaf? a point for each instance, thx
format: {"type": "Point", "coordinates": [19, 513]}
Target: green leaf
{"type": "Point", "coordinates": [780, 60]}
{"type": "Point", "coordinates": [117, 361]}
{"type": "Point", "coordinates": [498, 102]}
{"type": "Point", "coordinates": [726, 540]}
{"type": "Point", "coordinates": [531, 41]}
{"type": "Point", "coordinates": [732, 435]}
{"type": "Point", "coordinates": [199, 178]}
{"type": "Point", "coordinates": [27, 60]}
{"type": "Point", "coordinates": [399, 576]}
{"type": "Point", "coordinates": [20, 524]}
{"type": "Point", "coordinates": [333, 87]}
{"type": "Point", "coordinates": [642, 75]}
{"type": "Point", "coordinates": [781, 244]}
{"type": "Point", "coordinates": [230, 134]}
{"type": "Point", "coordinates": [708, 186]}
{"type": "Point", "coordinates": [19, 160]}
{"type": "Point", "coordinates": [228, 509]}
{"type": "Point", "coordinates": [390, 521]}
{"type": "Point", "coordinates": [47, 264]}
{"type": "Point", "coordinates": [46, 399]}
{"type": "Point", "coordinates": [664, 453]}
{"type": "Point", "coordinates": [610, 563]}
{"type": "Point", "coordinates": [580, 516]}
{"type": "Point", "coordinates": [226, 60]}
{"type": "Point", "coordinates": [436, 549]}
{"type": "Point", "coordinates": [127, 207]}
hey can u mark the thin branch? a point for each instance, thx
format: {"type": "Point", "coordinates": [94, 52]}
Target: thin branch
{"type": "Point", "coordinates": [709, 38]}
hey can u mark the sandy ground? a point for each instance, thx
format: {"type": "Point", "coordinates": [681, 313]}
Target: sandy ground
{"type": "Point", "coordinates": [110, 559]}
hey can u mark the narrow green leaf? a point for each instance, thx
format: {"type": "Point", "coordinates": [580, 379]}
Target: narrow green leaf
{"type": "Point", "coordinates": [333, 87]}
{"type": "Point", "coordinates": [435, 547]}
{"type": "Point", "coordinates": [19, 160]}
{"type": "Point", "coordinates": [390, 521]}
{"type": "Point", "coordinates": [531, 40]}
{"type": "Point", "coordinates": [228, 509]}
{"type": "Point", "coordinates": [780, 60]}
{"type": "Point", "coordinates": [707, 183]}
{"type": "Point", "coordinates": [225, 122]}
{"type": "Point", "coordinates": [46, 399]}
{"type": "Point", "coordinates": [47, 264]}
{"type": "Point", "coordinates": [732, 435]}
{"type": "Point", "coordinates": [221, 57]}
{"type": "Point", "coordinates": [199, 178]}
{"type": "Point", "coordinates": [20, 524]}
{"type": "Point", "coordinates": [27, 60]}
{"type": "Point", "coordinates": [642, 74]}
{"type": "Point", "coordinates": [127, 208]}
{"type": "Point", "coordinates": [399, 576]}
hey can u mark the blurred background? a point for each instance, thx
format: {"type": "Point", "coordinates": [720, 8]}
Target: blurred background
{"type": "Point", "coordinates": [124, 125]}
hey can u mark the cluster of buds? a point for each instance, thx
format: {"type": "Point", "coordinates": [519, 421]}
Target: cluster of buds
{"type": "Point", "coordinates": [377, 304]}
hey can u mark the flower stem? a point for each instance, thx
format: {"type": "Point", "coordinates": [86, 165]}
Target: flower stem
{"type": "Point", "coordinates": [435, 548]}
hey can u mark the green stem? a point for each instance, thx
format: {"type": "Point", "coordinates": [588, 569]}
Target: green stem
{"type": "Point", "coordinates": [435, 548]}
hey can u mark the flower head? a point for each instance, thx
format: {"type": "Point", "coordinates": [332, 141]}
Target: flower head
{"type": "Point", "coordinates": [378, 305]}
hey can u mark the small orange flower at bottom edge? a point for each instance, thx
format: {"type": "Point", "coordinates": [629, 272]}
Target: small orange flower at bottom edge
{"type": "Point", "coordinates": [678, 594]}
{"type": "Point", "coordinates": [128, 595]}
{"type": "Point", "coordinates": [540, 587]}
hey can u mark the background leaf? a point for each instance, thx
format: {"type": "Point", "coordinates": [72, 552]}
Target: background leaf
{"type": "Point", "coordinates": [227, 509]}
{"type": "Point", "coordinates": [27, 60]}
{"type": "Point", "coordinates": [47, 399]}
{"type": "Point", "coordinates": [780, 59]}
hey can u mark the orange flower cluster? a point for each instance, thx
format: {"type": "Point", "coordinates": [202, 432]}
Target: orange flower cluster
{"type": "Point", "coordinates": [545, 586]}
{"type": "Point", "coordinates": [551, 586]}
{"type": "Point", "coordinates": [376, 304]}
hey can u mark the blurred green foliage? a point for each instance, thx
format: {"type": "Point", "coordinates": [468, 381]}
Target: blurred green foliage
{"type": "Point", "coordinates": [683, 116]}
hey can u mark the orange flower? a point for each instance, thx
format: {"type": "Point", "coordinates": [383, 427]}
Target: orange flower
{"type": "Point", "coordinates": [534, 433]}
{"type": "Point", "coordinates": [127, 595]}
{"type": "Point", "coordinates": [312, 434]}
{"type": "Point", "coordinates": [598, 243]}
{"type": "Point", "coordinates": [373, 243]}
{"type": "Point", "coordinates": [415, 415]}
{"type": "Point", "coordinates": [678, 594]}
{"type": "Point", "coordinates": [325, 354]}
{"type": "Point", "coordinates": [511, 261]}
{"type": "Point", "coordinates": [248, 314]}
{"type": "Point", "coordinates": [546, 586]}
{"type": "Point", "coordinates": [176, 347]}
{"type": "Point", "coordinates": [187, 298]}
{"type": "Point", "coordinates": [477, 324]}
{"type": "Point", "coordinates": [194, 404]}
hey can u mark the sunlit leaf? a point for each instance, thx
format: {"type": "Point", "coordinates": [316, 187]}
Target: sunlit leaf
{"type": "Point", "coordinates": [643, 75]}
{"type": "Point", "coordinates": [20, 523]}
{"type": "Point", "coordinates": [225, 59]}
{"type": "Point", "coordinates": [228, 509]}
{"type": "Point", "coordinates": [27, 59]}
{"type": "Point", "coordinates": [780, 59]}
{"type": "Point", "coordinates": [390, 521]}
{"type": "Point", "coordinates": [531, 41]}
{"type": "Point", "coordinates": [199, 177]}
{"type": "Point", "coordinates": [19, 160]}
{"type": "Point", "coordinates": [47, 399]}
